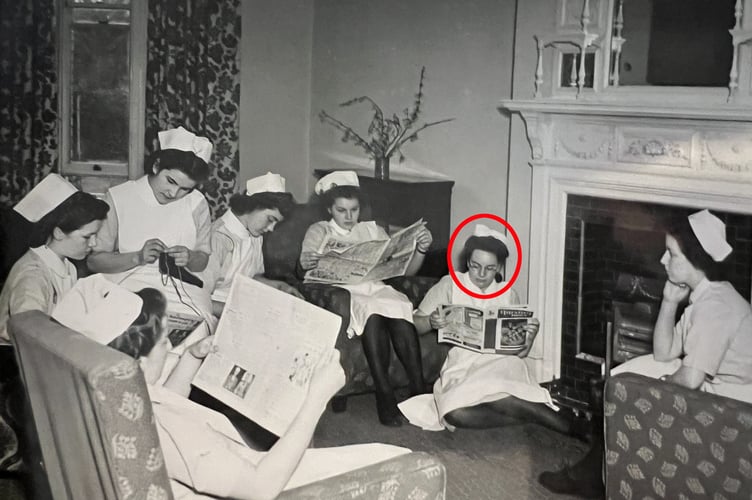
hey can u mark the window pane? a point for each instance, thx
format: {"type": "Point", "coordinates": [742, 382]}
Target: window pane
{"type": "Point", "coordinates": [105, 2]}
{"type": "Point", "coordinates": [99, 89]}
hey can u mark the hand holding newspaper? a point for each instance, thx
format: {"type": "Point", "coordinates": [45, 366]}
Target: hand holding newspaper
{"type": "Point", "coordinates": [268, 343]}
{"type": "Point", "coordinates": [351, 263]}
{"type": "Point", "coordinates": [500, 331]}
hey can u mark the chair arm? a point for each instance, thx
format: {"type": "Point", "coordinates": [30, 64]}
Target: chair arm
{"type": "Point", "coordinates": [415, 287]}
{"type": "Point", "coordinates": [661, 437]}
{"type": "Point", "coordinates": [415, 475]}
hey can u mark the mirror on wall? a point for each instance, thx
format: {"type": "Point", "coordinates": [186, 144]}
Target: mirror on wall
{"type": "Point", "coordinates": [672, 42]}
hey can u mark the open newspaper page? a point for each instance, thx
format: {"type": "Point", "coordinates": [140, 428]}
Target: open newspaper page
{"type": "Point", "coordinates": [498, 331]}
{"type": "Point", "coordinates": [268, 344]}
{"type": "Point", "coordinates": [350, 263]}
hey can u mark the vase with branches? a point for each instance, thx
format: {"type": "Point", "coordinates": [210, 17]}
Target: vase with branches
{"type": "Point", "coordinates": [386, 134]}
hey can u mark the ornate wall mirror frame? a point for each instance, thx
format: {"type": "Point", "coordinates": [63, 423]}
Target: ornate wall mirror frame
{"type": "Point", "coordinates": [693, 50]}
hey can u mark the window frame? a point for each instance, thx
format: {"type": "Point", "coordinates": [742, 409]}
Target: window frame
{"type": "Point", "coordinates": [133, 168]}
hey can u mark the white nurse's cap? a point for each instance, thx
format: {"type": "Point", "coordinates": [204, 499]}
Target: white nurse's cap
{"type": "Point", "coordinates": [45, 197]}
{"type": "Point", "coordinates": [267, 183]}
{"type": "Point", "coordinates": [98, 308]}
{"type": "Point", "coordinates": [711, 233]}
{"type": "Point", "coordinates": [336, 178]}
{"type": "Point", "coordinates": [483, 230]}
{"type": "Point", "coordinates": [182, 140]}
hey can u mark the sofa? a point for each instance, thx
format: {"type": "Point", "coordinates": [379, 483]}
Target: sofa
{"type": "Point", "coordinates": [98, 438]}
{"type": "Point", "coordinates": [666, 441]}
{"type": "Point", "coordinates": [281, 252]}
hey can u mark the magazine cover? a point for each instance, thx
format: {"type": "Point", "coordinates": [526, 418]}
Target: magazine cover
{"type": "Point", "coordinates": [499, 331]}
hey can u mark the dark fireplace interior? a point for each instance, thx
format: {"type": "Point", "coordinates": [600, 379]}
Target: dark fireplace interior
{"type": "Point", "coordinates": [612, 270]}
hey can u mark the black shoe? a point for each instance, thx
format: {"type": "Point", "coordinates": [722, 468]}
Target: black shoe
{"type": "Point", "coordinates": [564, 483]}
{"type": "Point", "coordinates": [386, 407]}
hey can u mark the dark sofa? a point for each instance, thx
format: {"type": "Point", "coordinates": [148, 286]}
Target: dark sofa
{"type": "Point", "coordinates": [281, 252]}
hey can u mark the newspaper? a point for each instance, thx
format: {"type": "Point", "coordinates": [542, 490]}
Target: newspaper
{"type": "Point", "coordinates": [498, 331]}
{"type": "Point", "coordinates": [350, 263]}
{"type": "Point", "coordinates": [179, 326]}
{"type": "Point", "coordinates": [268, 344]}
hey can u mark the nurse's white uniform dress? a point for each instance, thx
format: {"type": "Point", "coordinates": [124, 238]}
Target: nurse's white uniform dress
{"type": "Point", "coordinates": [469, 378]}
{"type": "Point", "coordinates": [366, 299]}
{"type": "Point", "coordinates": [233, 251]}
{"type": "Point", "coordinates": [35, 283]}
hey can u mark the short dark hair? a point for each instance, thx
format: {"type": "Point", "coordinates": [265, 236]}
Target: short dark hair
{"type": "Point", "coordinates": [75, 212]}
{"type": "Point", "coordinates": [142, 335]}
{"type": "Point", "coordinates": [242, 204]}
{"type": "Point", "coordinates": [174, 159]}
{"type": "Point", "coordinates": [349, 192]}
{"type": "Point", "coordinates": [690, 246]}
{"type": "Point", "coordinates": [485, 243]}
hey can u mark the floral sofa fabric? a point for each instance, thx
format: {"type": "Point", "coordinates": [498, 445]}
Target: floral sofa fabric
{"type": "Point", "coordinates": [665, 441]}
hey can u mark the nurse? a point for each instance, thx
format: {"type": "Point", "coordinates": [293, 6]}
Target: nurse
{"type": "Point", "coordinates": [162, 212]}
{"type": "Point", "coordinates": [203, 452]}
{"type": "Point", "coordinates": [65, 225]}
{"type": "Point", "coordinates": [237, 236]}
{"type": "Point", "coordinates": [478, 390]}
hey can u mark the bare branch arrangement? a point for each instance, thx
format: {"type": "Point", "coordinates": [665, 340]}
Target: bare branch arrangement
{"type": "Point", "coordinates": [386, 135]}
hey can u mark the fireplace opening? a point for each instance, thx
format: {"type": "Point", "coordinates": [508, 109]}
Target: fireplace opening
{"type": "Point", "coordinates": [613, 280]}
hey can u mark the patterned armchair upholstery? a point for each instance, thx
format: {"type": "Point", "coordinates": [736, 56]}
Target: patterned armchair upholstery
{"type": "Point", "coordinates": [98, 439]}
{"type": "Point", "coordinates": [665, 441]}
{"type": "Point", "coordinates": [281, 252]}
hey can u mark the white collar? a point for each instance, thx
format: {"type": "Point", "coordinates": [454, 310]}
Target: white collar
{"type": "Point", "coordinates": [492, 288]}
{"type": "Point", "coordinates": [339, 230]}
{"type": "Point", "coordinates": [59, 265]}
{"type": "Point", "coordinates": [700, 289]}
{"type": "Point", "coordinates": [235, 226]}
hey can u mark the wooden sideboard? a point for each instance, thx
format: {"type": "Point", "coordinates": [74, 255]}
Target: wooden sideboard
{"type": "Point", "coordinates": [400, 203]}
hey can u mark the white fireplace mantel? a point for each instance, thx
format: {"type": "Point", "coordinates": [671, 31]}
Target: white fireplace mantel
{"type": "Point", "coordinates": [689, 156]}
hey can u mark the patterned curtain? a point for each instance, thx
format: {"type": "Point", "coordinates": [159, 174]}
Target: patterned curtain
{"type": "Point", "coordinates": [193, 79]}
{"type": "Point", "coordinates": [28, 96]}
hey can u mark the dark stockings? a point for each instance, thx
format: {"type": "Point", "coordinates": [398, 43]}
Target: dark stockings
{"type": "Point", "coordinates": [507, 411]}
{"type": "Point", "coordinates": [379, 335]}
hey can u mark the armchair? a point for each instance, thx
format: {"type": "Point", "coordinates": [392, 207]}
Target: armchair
{"type": "Point", "coordinates": [98, 438]}
{"type": "Point", "coordinates": [281, 252]}
{"type": "Point", "coordinates": [666, 441]}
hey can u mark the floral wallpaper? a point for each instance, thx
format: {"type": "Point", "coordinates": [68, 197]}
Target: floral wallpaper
{"type": "Point", "coordinates": [28, 96]}
{"type": "Point", "coordinates": [193, 80]}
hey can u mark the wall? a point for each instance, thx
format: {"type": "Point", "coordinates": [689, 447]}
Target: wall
{"type": "Point", "coordinates": [533, 16]}
{"type": "Point", "coordinates": [362, 47]}
{"type": "Point", "coordinates": [275, 90]}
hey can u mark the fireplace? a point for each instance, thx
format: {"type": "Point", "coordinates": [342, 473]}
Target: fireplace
{"type": "Point", "coordinates": [612, 274]}
{"type": "Point", "coordinates": [612, 170]}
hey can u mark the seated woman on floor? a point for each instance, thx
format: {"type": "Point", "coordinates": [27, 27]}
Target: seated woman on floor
{"type": "Point", "coordinates": [480, 390]}
{"type": "Point", "coordinates": [203, 452]}
{"type": "Point", "coordinates": [379, 315]}
{"type": "Point", "coordinates": [236, 237]}
{"type": "Point", "coordinates": [709, 348]}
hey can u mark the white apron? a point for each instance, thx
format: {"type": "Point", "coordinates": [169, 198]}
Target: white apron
{"type": "Point", "coordinates": [246, 256]}
{"type": "Point", "coordinates": [140, 218]}
{"type": "Point", "coordinates": [469, 378]}
{"type": "Point", "coordinates": [371, 297]}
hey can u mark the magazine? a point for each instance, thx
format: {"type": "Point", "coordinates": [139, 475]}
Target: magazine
{"type": "Point", "coordinates": [350, 263]}
{"type": "Point", "coordinates": [268, 343]}
{"type": "Point", "coordinates": [179, 326]}
{"type": "Point", "coordinates": [499, 331]}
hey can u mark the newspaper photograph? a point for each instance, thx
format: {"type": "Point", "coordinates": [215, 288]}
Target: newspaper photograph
{"type": "Point", "coordinates": [498, 331]}
{"type": "Point", "coordinates": [268, 343]}
{"type": "Point", "coordinates": [180, 326]}
{"type": "Point", "coordinates": [348, 263]}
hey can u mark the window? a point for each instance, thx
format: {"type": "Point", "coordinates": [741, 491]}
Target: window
{"type": "Point", "coordinates": [102, 78]}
